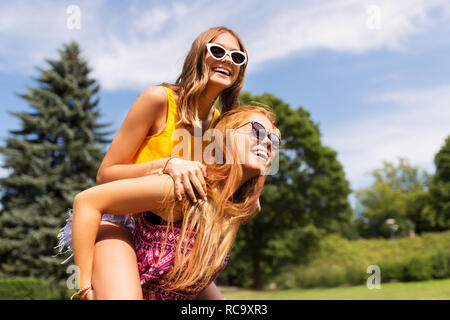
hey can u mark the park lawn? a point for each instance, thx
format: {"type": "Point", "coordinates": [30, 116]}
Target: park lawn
{"type": "Point", "coordinates": [424, 290]}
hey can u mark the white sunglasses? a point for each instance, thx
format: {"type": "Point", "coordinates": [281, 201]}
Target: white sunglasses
{"type": "Point", "coordinates": [219, 53]}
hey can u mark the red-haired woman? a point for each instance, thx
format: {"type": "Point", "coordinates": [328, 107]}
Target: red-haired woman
{"type": "Point", "coordinates": [179, 259]}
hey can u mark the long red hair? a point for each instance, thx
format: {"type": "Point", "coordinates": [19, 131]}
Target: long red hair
{"type": "Point", "coordinates": [214, 223]}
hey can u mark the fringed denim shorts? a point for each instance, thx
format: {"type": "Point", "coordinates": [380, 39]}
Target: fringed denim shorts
{"type": "Point", "coordinates": [65, 235]}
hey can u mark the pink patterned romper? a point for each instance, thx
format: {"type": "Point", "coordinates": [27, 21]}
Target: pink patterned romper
{"type": "Point", "coordinates": [148, 237]}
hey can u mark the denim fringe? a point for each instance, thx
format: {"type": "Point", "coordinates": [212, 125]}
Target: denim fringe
{"type": "Point", "coordinates": [65, 239]}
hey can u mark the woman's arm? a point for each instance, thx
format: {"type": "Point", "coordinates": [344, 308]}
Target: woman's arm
{"type": "Point", "coordinates": [144, 117]}
{"type": "Point", "coordinates": [117, 197]}
{"type": "Point", "coordinates": [147, 108]}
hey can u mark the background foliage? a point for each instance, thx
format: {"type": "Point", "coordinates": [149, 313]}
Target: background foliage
{"type": "Point", "coordinates": [340, 261]}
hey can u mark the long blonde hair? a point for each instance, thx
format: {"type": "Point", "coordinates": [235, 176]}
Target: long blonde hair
{"type": "Point", "coordinates": [210, 227]}
{"type": "Point", "coordinates": [195, 75]}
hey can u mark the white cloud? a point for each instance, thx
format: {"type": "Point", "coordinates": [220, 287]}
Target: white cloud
{"type": "Point", "coordinates": [139, 46]}
{"type": "Point", "coordinates": [343, 26]}
{"type": "Point", "coordinates": [153, 48]}
{"type": "Point", "coordinates": [411, 124]}
{"type": "Point", "coordinates": [152, 21]}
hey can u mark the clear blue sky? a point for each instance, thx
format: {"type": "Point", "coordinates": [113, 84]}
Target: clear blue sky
{"type": "Point", "coordinates": [373, 74]}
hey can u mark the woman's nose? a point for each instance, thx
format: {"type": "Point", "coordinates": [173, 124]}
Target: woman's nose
{"type": "Point", "coordinates": [227, 58]}
{"type": "Point", "coordinates": [267, 142]}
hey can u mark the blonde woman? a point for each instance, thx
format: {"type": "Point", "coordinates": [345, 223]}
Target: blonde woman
{"type": "Point", "coordinates": [213, 69]}
{"type": "Point", "coordinates": [180, 259]}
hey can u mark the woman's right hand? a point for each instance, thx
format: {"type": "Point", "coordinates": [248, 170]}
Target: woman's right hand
{"type": "Point", "coordinates": [186, 174]}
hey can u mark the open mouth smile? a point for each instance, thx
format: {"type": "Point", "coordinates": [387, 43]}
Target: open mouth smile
{"type": "Point", "coordinates": [262, 154]}
{"type": "Point", "coordinates": [223, 71]}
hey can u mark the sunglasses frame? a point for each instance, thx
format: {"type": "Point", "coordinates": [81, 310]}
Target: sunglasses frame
{"type": "Point", "coordinates": [211, 44]}
{"type": "Point", "coordinates": [256, 135]}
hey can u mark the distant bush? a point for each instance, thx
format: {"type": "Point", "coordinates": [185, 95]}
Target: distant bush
{"type": "Point", "coordinates": [392, 271]}
{"type": "Point", "coordinates": [419, 269]}
{"type": "Point", "coordinates": [441, 265]}
{"type": "Point", "coordinates": [355, 276]}
{"type": "Point", "coordinates": [415, 269]}
{"type": "Point", "coordinates": [343, 262]}
{"type": "Point", "coordinates": [17, 288]}
{"type": "Point", "coordinates": [24, 289]}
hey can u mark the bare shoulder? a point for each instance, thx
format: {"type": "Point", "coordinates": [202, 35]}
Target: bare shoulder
{"type": "Point", "coordinates": [141, 117]}
{"type": "Point", "coordinates": [155, 92]}
{"type": "Point", "coordinates": [155, 95]}
{"type": "Point", "coordinates": [160, 91]}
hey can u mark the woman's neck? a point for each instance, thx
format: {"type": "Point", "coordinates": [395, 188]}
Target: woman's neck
{"type": "Point", "coordinates": [206, 101]}
{"type": "Point", "coordinates": [242, 179]}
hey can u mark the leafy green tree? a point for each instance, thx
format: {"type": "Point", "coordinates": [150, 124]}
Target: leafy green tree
{"type": "Point", "coordinates": [440, 188]}
{"type": "Point", "coordinates": [403, 177]}
{"type": "Point", "coordinates": [54, 155]}
{"type": "Point", "coordinates": [398, 192]}
{"type": "Point", "coordinates": [306, 199]}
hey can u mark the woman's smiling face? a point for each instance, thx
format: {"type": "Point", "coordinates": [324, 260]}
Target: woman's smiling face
{"type": "Point", "coordinates": [223, 72]}
{"type": "Point", "coordinates": [255, 155]}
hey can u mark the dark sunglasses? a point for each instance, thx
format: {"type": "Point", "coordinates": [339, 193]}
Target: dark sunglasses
{"type": "Point", "coordinates": [260, 133]}
{"type": "Point", "coordinates": [219, 53]}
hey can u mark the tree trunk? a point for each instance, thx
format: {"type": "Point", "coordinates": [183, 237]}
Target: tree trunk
{"type": "Point", "coordinates": [257, 279]}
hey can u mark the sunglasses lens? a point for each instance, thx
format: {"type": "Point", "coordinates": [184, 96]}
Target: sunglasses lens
{"type": "Point", "coordinates": [260, 133]}
{"type": "Point", "coordinates": [217, 52]}
{"type": "Point", "coordinates": [275, 141]}
{"type": "Point", "coordinates": [237, 57]}
{"type": "Point", "coordinates": [258, 130]}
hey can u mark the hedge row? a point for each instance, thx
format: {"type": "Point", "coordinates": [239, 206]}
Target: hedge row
{"type": "Point", "coordinates": [24, 289]}
{"type": "Point", "coordinates": [418, 269]}
{"type": "Point", "coordinates": [30, 289]}
{"type": "Point", "coordinates": [414, 269]}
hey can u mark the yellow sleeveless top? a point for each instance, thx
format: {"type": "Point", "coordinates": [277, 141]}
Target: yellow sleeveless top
{"type": "Point", "coordinates": [160, 145]}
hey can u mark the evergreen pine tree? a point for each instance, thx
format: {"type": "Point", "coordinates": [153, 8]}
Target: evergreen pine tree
{"type": "Point", "coordinates": [53, 156]}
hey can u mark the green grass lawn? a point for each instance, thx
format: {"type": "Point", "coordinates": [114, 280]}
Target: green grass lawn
{"type": "Point", "coordinates": [425, 290]}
